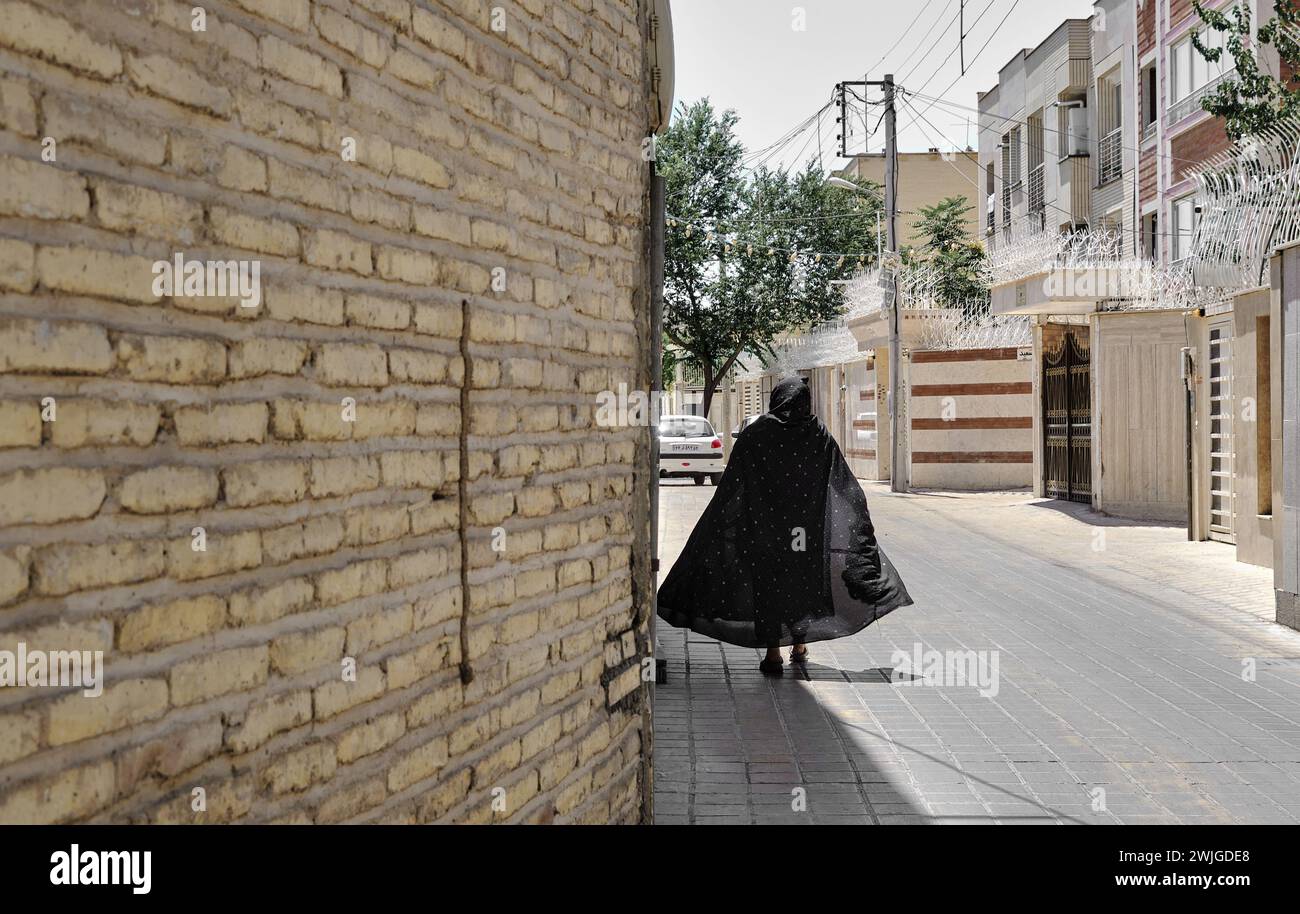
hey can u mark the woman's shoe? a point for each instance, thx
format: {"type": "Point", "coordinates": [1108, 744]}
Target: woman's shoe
{"type": "Point", "coordinates": [771, 668]}
{"type": "Point", "coordinates": [800, 657]}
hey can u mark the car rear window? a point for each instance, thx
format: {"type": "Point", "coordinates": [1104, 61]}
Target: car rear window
{"type": "Point", "coordinates": [685, 428]}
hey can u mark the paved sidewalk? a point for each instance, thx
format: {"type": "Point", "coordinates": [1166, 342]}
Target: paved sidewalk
{"type": "Point", "coordinates": [1120, 695]}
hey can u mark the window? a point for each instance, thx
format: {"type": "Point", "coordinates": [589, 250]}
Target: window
{"type": "Point", "coordinates": [683, 427]}
{"type": "Point", "coordinates": [1150, 96]}
{"type": "Point", "coordinates": [1151, 237]}
{"type": "Point", "coordinates": [1189, 71]}
{"type": "Point", "coordinates": [1184, 213]}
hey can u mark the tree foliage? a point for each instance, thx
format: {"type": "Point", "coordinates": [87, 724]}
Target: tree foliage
{"type": "Point", "coordinates": [957, 262]}
{"type": "Point", "coordinates": [731, 287]}
{"type": "Point", "coordinates": [1253, 100]}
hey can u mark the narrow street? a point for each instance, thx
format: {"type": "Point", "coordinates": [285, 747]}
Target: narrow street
{"type": "Point", "coordinates": [1123, 695]}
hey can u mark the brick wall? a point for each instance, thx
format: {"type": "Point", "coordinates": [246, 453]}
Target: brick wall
{"type": "Point", "coordinates": [1195, 145]}
{"type": "Point", "coordinates": [334, 444]}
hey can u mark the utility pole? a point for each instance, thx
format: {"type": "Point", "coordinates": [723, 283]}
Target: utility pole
{"type": "Point", "coordinates": [896, 482]}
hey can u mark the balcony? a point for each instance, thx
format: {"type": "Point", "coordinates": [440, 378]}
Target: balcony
{"type": "Point", "coordinates": [1181, 109]}
{"type": "Point", "coordinates": [1110, 157]}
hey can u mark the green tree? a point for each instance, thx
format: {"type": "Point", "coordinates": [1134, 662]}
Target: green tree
{"type": "Point", "coordinates": [958, 262]}
{"type": "Point", "coordinates": [1252, 101]}
{"type": "Point", "coordinates": [731, 287]}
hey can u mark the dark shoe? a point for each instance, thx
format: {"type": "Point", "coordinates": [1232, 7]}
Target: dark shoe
{"type": "Point", "coordinates": [799, 657]}
{"type": "Point", "coordinates": [772, 668]}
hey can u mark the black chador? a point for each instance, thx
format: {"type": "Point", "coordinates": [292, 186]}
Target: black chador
{"type": "Point", "coordinates": [785, 552]}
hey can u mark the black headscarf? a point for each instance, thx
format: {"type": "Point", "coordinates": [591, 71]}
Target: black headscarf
{"type": "Point", "coordinates": [785, 552]}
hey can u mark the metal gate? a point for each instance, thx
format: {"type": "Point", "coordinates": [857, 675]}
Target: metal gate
{"type": "Point", "coordinates": [1067, 419]}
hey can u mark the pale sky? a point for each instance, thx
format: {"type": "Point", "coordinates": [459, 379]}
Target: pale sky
{"type": "Point", "coordinates": [749, 55]}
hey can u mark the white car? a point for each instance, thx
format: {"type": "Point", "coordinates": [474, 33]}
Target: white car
{"type": "Point", "coordinates": [688, 446]}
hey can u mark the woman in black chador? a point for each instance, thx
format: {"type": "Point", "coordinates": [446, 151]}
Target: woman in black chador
{"type": "Point", "coordinates": [785, 553]}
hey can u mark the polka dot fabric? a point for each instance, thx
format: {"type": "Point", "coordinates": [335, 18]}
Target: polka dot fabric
{"type": "Point", "coordinates": [785, 552]}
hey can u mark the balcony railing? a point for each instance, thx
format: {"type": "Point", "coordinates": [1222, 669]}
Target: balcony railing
{"type": "Point", "coordinates": [1181, 109]}
{"type": "Point", "coordinates": [1110, 157]}
{"type": "Point", "coordinates": [1006, 205]}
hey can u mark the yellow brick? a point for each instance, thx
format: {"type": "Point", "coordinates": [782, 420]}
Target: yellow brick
{"type": "Point", "coordinates": [59, 570]}
{"type": "Point", "coordinates": [241, 170]}
{"type": "Point", "coordinates": [426, 660]}
{"type": "Point", "coordinates": [54, 346]}
{"type": "Point", "coordinates": [260, 356]}
{"type": "Point", "coordinates": [17, 265]}
{"type": "Point", "coordinates": [14, 573]}
{"type": "Point", "coordinates": [176, 360]}
{"type": "Point", "coordinates": [358, 579]}
{"type": "Point", "coordinates": [437, 419]}
{"type": "Point", "coordinates": [307, 187]}
{"type": "Point", "coordinates": [336, 697]}
{"type": "Point", "coordinates": [270, 118]}
{"type": "Point", "coordinates": [343, 476]}
{"type": "Point", "coordinates": [337, 251]}
{"type": "Point", "coordinates": [101, 128]}
{"type": "Point", "coordinates": [437, 320]}
{"type": "Point", "coordinates": [173, 80]}
{"type": "Point", "coordinates": [377, 628]}
{"type": "Point", "coordinates": [50, 495]}
{"type": "Point", "coordinates": [265, 481]}
{"type": "Point", "coordinates": [416, 267]}
{"type": "Point", "coordinates": [412, 469]}
{"type": "Point", "coordinates": [224, 423]}
{"type": "Point", "coordinates": [316, 536]}
{"type": "Point", "coordinates": [163, 490]}
{"type": "Point", "coordinates": [376, 525]}
{"type": "Point", "coordinates": [413, 164]}
{"type": "Point", "coordinates": [343, 804]}
{"type": "Point", "coordinates": [270, 236]}
{"type": "Point", "coordinates": [301, 768]}
{"type": "Point", "coordinates": [30, 30]}
{"type": "Point", "coordinates": [82, 423]}
{"type": "Point", "coordinates": [434, 704]}
{"type": "Point", "coordinates": [370, 737]}
{"type": "Point", "coordinates": [20, 424]}
{"type": "Point", "coordinates": [171, 623]}
{"type": "Point", "coordinates": [297, 303]}
{"type": "Point", "coordinates": [39, 190]}
{"type": "Point", "coordinates": [17, 107]}
{"type": "Point", "coordinates": [260, 605]}
{"type": "Point", "coordinates": [351, 364]}
{"type": "Point", "coordinates": [213, 674]}
{"type": "Point", "coordinates": [60, 797]}
{"type": "Point", "coordinates": [415, 567]}
{"type": "Point", "coordinates": [342, 32]}
{"type": "Point", "coordinates": [267, 718]}
{"type": "Point", "coordinates": [20, 735]}
{"type": "Point", "coordinates": [226, 553]}
{"type": "Point", "coordinates": [415, 766]}
{"type": "Point", "coordinates": [124, 704]}
{"type": "Point", "coordinates": [413, 69]}
{"type": "Point", "coordinates": [296, 14]}
{"type": "Point", "coordinates": [439, 800]}
{"type": "Point", "coordinates": [303, 651]}
{"type": "Point", "coordinates": [374, 311]}
{"type": "Point", "coordinates": [81, 271]}
{"type": "Point", "coordinates": [302, 67]}
{"type": "Point", "coordinates": [126, 208]}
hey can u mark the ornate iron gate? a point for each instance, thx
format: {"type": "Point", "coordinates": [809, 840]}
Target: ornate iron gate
{"type": "Point", "coordinates": [1067, 419]}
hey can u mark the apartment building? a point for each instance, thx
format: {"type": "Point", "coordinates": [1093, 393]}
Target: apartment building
{"type": "Point", "coordinates": [1121, 95]}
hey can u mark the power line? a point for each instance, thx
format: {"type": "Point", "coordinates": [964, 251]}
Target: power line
{"type": "Point", "coordinates": [933, 100]}
{"type": "Point", "coordinates": [895, 45]}
{"type": "Point", "coordinates": [1000, 178]}
{"type": "Point", "coordinates": [960, 41]}
{"type": "Point", "coordinates": [922, 41]}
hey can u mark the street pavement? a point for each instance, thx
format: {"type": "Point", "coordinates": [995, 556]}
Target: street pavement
{"type": "Point", "coordinates": [1140, 679]}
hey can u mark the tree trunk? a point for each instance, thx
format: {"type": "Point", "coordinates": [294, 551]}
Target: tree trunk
{"type": "Point", "coordinates": [710, 385]}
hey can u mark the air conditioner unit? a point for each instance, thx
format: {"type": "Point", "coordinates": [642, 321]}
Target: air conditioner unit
{"type": "Point", "coordinates": [1076, 131]}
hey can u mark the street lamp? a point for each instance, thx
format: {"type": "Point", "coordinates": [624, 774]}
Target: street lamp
{"type": "Point", "coordinates": [841, 183]}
